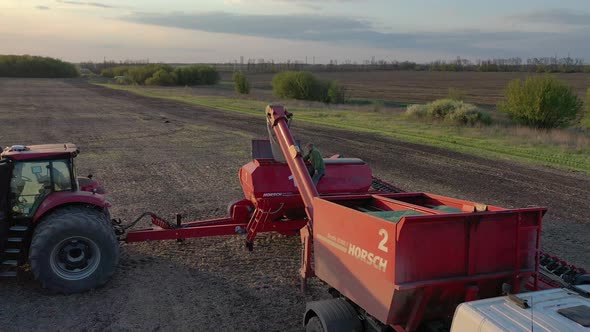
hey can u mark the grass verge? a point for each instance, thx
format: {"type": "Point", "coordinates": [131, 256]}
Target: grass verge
{"type": "Point", "coordinates": [491, 142]}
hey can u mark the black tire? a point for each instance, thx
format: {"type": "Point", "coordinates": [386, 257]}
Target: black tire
{"type": "Point", "coordinates": [74, 249]}
{"type": "Point", "coordinates": [314, 325]}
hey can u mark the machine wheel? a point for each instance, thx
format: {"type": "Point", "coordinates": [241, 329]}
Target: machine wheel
{"type": "Point", "coordinates": [314, 325]}
{"type": "Point", "coordinates": [74, 249]}
{"type": "Point", "coordinates": [331, 316]}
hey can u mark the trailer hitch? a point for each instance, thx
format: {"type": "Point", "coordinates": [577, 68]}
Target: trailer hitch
{"type": "Point", "coordinates": [120, 229]}
{"type": "Point", "coordinates": [117, 227]}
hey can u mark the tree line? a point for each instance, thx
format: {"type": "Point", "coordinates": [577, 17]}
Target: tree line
{"type": "Point", "coordinates": [162, 74]}
{"type": "Point", "coordinates": [35, 66]}
{"type": "Point", "coordinates": [514, 64]}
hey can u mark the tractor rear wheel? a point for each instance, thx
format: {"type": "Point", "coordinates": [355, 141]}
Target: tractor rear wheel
{"type": "Point", "coordinates": [74, 249]}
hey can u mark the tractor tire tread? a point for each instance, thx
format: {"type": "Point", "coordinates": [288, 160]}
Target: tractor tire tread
{"type": "Point", "coordinates": [65, 218]}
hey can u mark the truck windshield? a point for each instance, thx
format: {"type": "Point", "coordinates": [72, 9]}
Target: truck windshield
{"type": "Point", "coordinates": [32, 181]}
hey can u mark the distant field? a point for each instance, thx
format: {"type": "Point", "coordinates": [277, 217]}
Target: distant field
{"type": "Point", "coordinates": [421, 87]}
{"type": "Point", "coordinates": [557, 148]}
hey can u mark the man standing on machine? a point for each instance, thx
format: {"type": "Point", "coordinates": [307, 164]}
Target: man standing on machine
{"type": "Point", "coordinates": [317, 168]}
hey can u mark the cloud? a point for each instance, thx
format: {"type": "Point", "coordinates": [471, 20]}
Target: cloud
{"type": "Point", "coordinates": [86, 3]}
{"type": "Point", "coordinates": [312, 5]}
{"type": "Point", "coordinates": [553, 16]}
{"type": "Point", "coordinates": [348, 31]}
{"type": "Point", "coordinates": [42, 7]}
{"type": "Point", "coordinates": [305, 27]}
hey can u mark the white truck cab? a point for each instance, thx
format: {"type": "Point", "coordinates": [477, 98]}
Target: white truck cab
{"type": "Point", "coordinates": [559, 309]}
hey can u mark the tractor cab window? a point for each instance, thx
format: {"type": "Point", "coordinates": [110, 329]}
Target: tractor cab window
{"type": "Point", "coordinates": [32, 181]}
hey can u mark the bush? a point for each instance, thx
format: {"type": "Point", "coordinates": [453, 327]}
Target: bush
{"type": "Point", "coordinates": [416, 111]}
{"type": "Point", "coordinates": [294, 85]}
{"type": "Point", "coordinates": [197, 75]}
{"type": "Point", "coordinates": [304, 85]}
{"type": "Point", "coordinates": [140, 74]}
{"type": "Point", "coordinates": [162, 77]}
{"type": "Point", "coordinates": [336, 93]}
{"type": "Point", "coordinates": [468, 115]}
{"type": "Point", "coordinates": [439, 109]}
{"type": "Point", "coordinates": [35, 66]}
{"type": "Point", "coordinates": [541, 102]}
{"type": "Point", "coordinates": [123, 80]}
{"type": "Point", "coordinates": [241, 83]}
{"type": "Point", "coordinates": [115, 71]}
{"type": "Point", "coordinates": [161, 74]}
{"type": "Point", "coordinates": [451, 111]}
{"type": "Point", "coordinates": [137, 74]}
{"type": "Point", "coordinates": [209, 75]}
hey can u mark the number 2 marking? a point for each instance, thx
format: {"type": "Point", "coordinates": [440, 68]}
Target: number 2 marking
{"type": "Point", "coordinates": [383, 232]}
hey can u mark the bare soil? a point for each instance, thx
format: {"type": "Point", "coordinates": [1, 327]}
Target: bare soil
{"type": "Point", "coordinates": [168, 157]}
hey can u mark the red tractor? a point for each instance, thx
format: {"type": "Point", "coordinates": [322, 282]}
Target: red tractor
{"type": "Point", "coordinates": [56, 221]}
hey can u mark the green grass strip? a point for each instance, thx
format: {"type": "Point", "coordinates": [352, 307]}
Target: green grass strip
{"type": "Point", "coordinates": [465, 140]}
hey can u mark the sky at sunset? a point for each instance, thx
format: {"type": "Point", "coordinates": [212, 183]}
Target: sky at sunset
{"type": "Point", "coordinates": [355, 30]}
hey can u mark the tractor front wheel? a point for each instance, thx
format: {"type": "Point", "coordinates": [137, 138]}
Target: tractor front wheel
{"type": "Point", "coordinates": [74, 249]}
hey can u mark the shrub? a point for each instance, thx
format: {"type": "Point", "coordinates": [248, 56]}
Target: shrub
{"type": "Point", "coordinates": [35, 66]}
{"type": "Point", "coordinates": [294, 85]}
{"type": "Point", "coordinates": [161, 74]}
{"type": "Point", "coordinates": [304, 85]}
{"type": "Point", "coordinates": [139, 74]}
{"type": "Point", "coordinates": [336, 93]}
{"type": "Point", "coordinates": [123, 80]}
{"type": "Point", "coordinates": [541, 102]}
{"type": "Point", "coordinates": [416, 111]}
{"type": "Point", "coordinates": [439, 109]}
{"type": "Point", "coordinates": [162, 77]}
{"type": "Point", "coordinates": [465, 114]}
{"type": "Point", "coordinates": [115, 71]}
{"type": "Point", "coordinates": [197, 75]}
{"type": "Point", "coordinates": [451, 111]}
{"type": "Point", "coordinates": [209, 75]}
{"type": "Point", "coordinates": [241, 83]}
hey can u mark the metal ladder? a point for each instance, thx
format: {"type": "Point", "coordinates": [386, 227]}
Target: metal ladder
{"type": "Point", "coordinates": [11, 256]}
{"type": "Point", "coordinates": [256, 223]}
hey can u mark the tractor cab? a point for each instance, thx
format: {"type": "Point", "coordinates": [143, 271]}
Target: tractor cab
{"type": "Point", "coordinates": [28, 174]}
